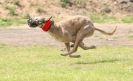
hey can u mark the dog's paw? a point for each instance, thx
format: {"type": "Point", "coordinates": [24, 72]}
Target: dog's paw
{"type": "Point", "coordinates": [63, 54]}
{"type": "Point", "coordinates": [74, 56]}
{"type": "Point", "coordinates": [93, 47]}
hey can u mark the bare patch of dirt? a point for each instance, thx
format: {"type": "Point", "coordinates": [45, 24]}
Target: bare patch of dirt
{"type": "Point", "coordinates": [27, 36]}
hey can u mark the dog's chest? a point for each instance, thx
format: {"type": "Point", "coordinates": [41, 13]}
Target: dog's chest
{"type": "Point", "coordinates": [63, 35]}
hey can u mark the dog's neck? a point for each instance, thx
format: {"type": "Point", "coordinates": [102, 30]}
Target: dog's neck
{"type": "Point", "coordinates": [54, 28]}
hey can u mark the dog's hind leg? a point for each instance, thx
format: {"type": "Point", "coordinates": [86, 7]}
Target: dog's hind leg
{"type": "Point", "coordinates": [86, 47]}
{"type": "Point", "coordinates": [83, 32]}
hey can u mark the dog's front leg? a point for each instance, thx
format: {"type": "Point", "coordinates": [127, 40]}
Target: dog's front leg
{"type": "Point", "coordinates": [76, 44]}
{"type": "Point", "coordinates": [67, 46]}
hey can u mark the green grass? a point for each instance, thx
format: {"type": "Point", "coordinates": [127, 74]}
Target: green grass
{"type": "Point", "coordinates": [110, 19]}
{"type": "Point", "coordinates": [103, 18]}
{"type": "Point", "coordinates": [11, 21]}
{"type": "Point", "coordinates": [127, 19]}
{"type": "Point", "coordinates": [43, 63]}
{"type": "Point", "coordinates": [130, 37]}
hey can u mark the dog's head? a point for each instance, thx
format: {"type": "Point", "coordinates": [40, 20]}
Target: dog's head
{"type": "Point", "coordinates": [35, 22]}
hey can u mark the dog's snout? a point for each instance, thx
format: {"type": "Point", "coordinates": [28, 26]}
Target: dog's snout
{"type": "Point", "coordinates": [32, 23]}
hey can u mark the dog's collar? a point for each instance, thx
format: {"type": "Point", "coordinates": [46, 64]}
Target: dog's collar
{"type": "Point", "coordinates": [47, 25]}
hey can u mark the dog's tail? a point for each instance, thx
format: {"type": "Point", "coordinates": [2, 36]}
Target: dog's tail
{"type": "Point", "coordinates": [106, 33]}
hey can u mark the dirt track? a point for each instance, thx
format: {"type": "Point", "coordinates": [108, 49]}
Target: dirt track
{"type": "Point", "coordinates": [24, 35]}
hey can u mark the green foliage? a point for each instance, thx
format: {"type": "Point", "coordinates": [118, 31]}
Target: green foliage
{"type": "Point", "coordinates": [80, 3]}
{"type": "Point", "coordinates": [39, 63]}
{"type": "Point", "coordinates": [64, 3]}
{"type": "Point", "coordinates": [12, 10]}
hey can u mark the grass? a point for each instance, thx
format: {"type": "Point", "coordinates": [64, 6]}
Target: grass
{"type": "Point", "coordinates": [110, 19]}
{"type": "Point", "coordinates": [130, 37]}
{"type": "Point", "coordinates": [11, 21]}
{"type": "Point", "coordinates": [103, 18]}
{"type": "Point", "coordinates": [127, 19]}
{"type": "Point", "coordinates": [43, 63]}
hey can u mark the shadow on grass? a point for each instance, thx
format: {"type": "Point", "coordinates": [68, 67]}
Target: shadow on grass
{"type": "Point", "coordinates": [99, 61]}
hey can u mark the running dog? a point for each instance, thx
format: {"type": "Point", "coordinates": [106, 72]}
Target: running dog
{"type": "Point", "coordinates": [71, 30]}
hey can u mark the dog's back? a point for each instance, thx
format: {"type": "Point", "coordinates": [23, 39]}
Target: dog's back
{"type": "Point", "coordinates": [73, 24]}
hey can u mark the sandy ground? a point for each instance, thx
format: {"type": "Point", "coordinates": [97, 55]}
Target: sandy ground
{"type": "Point", "coordinates": [23, 35]}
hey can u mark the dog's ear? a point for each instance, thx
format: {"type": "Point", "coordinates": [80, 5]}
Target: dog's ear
{"type": "Point", "coordinates": [41, 21]}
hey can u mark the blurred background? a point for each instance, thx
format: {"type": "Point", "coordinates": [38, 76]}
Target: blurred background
{"type": "Point", "coordinates": [100, 11]}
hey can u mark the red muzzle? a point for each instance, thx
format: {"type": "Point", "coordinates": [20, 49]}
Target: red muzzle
{"type": "Point", "coordinates": [46, 26]}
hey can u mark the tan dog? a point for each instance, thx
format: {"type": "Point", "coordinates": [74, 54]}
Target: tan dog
{"type": "Point", "coordinates": [74, 30]}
